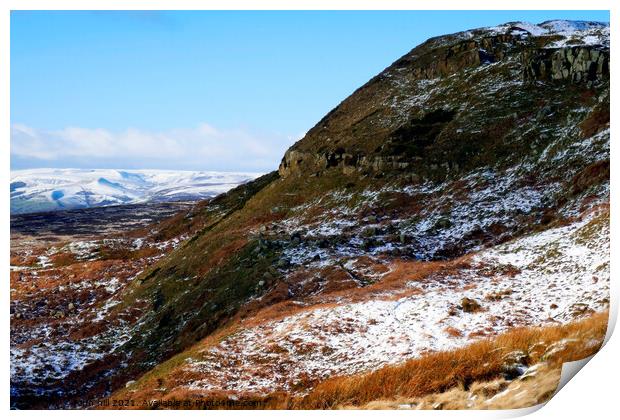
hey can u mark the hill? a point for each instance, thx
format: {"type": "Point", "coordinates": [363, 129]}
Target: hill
{"type": "Point", "coordinates": [460, 194]}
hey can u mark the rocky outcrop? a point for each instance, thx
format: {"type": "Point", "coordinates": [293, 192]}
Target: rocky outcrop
{"type": "Point", "coordinates": [294, 160]}
{"type": "Point", "coordinates": [446, 60]}
{"type": "Point", "coordinates": [579, 64]}
{"type": "Point", "coordinates": [411, 118]}
{"type": "Point", "coordinates": [401, 150]}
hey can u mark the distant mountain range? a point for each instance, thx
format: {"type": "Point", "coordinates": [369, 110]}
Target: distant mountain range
{"type": "Point", "coordinates": [36, 190]}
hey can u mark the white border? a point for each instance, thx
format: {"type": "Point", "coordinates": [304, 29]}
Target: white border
{"type": "Point", "coordinates": [592, 394]}
{"type": "Point", "coordinates": [307, 5]}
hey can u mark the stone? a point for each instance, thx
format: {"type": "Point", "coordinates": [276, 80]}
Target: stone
{"type": "Point", "coordinates": [443, 223]}
{"type": "Point", "coordinates": [513, 371]}
{"type": "Point", "coordinates": [470, 305]}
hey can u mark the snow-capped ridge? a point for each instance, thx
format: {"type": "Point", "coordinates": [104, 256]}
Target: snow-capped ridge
{"type": "Point", "coordinates": [574, 32]}
{"type": "Point", "coordinates": [35, 190]}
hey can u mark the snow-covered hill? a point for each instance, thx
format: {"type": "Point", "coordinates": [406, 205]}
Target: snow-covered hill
{"type": "Point", "coordinates": [568, 33]}
{"type": "Point", "coordinates": [34, 190]}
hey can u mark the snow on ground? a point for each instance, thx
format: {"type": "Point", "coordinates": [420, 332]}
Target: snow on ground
{"type": "Point", "coordinates": [452, 214]}
{"type": "Point", "coordinates": [576, 31]}
{"type": "Point", "coordinates": [553, 276]}
{"type": "Point", "coordinates": [54, 189]}
{"type": "Point", "coordinates": [48, 357]}
{"type": "Point", "coordinates": [64, 357]}
{"type": "Point", "coordinates": [572, 32]}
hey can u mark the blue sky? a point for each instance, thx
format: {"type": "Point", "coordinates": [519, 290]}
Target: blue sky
{"type": "Point", "coordinates": [200, 90]}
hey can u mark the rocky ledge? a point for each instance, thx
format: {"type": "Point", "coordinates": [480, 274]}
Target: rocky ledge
{"type": "Point", "coordinates": [419, 103]}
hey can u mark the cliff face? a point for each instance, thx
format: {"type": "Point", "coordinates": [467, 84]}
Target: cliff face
{"type": "Point", "coordinates": [433, 96]}
{"type": "Point", "coordinates": [587, 64]}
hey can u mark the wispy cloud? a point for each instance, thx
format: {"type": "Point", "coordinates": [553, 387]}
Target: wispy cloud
{"type": "Point", "coordinates": [203, 146]}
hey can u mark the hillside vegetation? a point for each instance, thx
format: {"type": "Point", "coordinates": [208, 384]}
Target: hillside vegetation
{"type": "Point", "coordinates": [457, 201]}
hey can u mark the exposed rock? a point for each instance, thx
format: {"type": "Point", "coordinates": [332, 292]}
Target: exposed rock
{"type": "Point", "coordinates": [574, 64]}
{"type": "Point", "coordinates": [364, 136]}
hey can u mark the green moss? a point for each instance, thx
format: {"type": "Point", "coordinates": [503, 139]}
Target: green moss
{"type": "Point", "coordinates": [184, 311]}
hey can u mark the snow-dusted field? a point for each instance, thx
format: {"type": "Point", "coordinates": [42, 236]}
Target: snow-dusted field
{"type": "Point", "coordinates": [555, 276]}
{"type": "Point", "coordinates": [55, 189]}
{"type": "Point", "coordinates": [39, 354]}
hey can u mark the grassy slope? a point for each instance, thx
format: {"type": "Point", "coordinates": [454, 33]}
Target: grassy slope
{"type": "Point", "coordinates": [438, 380]}
{"type": "Point", "coordinates": [205, 283]}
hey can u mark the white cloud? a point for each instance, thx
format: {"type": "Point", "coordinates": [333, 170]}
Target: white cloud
{"type": "Point", "coordinates": [204, 146]}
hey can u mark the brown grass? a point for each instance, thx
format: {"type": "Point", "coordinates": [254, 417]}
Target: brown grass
{"type": "Point", "coordinates": [596, 121]}
{"type": "Point", "coordinates": [495, 394]}
{"type": "Point", "coordinates": [440, 372]}
{"type": "Point", "coordinates": [444, 380]}
{"type": "Point", "coordinates": [223, 253]}
{"type": "Point", "coordinates": [23, 260]}
{"type": "Point", "coordinates": [339, 286]}
{"type": "Point", "coordinates": [123, 253]}
{"type": "Point", "coordinates": [63, 258]}
{"type": "Point", "coordinates": [453, 332]}
{"type": "Point", "coordinates": [593, 174]}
